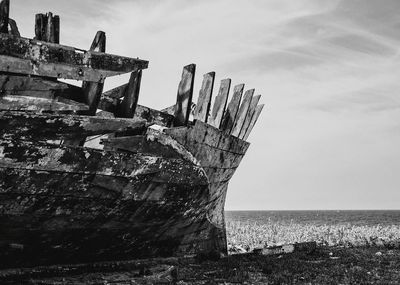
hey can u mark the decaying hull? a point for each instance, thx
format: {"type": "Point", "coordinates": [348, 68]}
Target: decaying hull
{"type": "Point", "coordinates": [122, 182]}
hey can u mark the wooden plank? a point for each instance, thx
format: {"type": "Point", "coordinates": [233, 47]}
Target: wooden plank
{"type": "Point", "coordinates": [38, 127]}
{"type": "Point", "coordinates": [202, 109]}
{"type": "Point", "coordinates": [13, 28]}
{"type": "Point", "coordinates": [23, 85]}
{"type": "Point", "coordinates": [68, 159]}
{"type": "Point", "coordinates": [25, 56]}
{"type": "Point", "coordinates": [184, 96]}
{"type": "Point", "coordinates": [250, 113]}
{"type": "Point", "coordinates": [40, 105]}
{"type": "Point", "coordinates": [92, 90]}
{"type": "Point", "coordinates": [220, 103]}
{"type": "Point", "coordinates": [110, 100]}
{"type": "Point", "coordinates": [153, 143]}
{"type": "Point", "coordinates": [242, 113]}
{"type": "Point", "coordinates": [4, 13]}
{"type": "Point", "coordinates": [127, 108]}
{"type": "Point", "coordinates": [256, 114]}
{"type": "Point", "coordinates": [153, 116]}
{"type": "Point", "coordinates": [232, 109]}
{"type": "Point", "coordinates": [47, 28]}
{"type": "Point", "coordinates": [203, 133]}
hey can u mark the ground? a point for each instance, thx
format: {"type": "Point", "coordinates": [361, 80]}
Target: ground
{"type": "Point", "coordinates": [325, 265]}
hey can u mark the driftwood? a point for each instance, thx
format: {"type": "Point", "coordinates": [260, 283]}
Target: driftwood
{"type": "Point", "coordinates": [25, 56]}
{"type": "Point", "coordinates": [202, 109]}
{"type": "Point", "coordinates": [220, 103]}
{"type": "Point", "coordinates": [308, 247]}
{"type": "Point", "coordinates": [184, 96]}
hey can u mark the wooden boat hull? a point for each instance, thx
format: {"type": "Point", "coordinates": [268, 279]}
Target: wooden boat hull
{"type": "Point", "coordinates": [161, 197]}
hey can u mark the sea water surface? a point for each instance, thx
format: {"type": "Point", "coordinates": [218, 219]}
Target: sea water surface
{"type": "Point", "coordinates": [319, 217]}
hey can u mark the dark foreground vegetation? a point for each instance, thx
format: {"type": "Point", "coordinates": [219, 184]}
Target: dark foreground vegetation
{"type": "Point", "coordinates": [324, 265]}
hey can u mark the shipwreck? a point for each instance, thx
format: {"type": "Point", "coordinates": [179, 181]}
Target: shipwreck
{"type": "Point", "coordinates": [87, 175]}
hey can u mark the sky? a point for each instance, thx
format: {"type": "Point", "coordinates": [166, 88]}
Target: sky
{"type": "Point", "coordinates": [328, 72]}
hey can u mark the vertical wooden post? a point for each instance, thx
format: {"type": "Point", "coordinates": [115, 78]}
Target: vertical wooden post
{"type": "Point", "coordinates": [232, 109]}
{"type": "Point", "coordinates": [92, 90]}
{"type": "Point", "coordinates": [249, 116]}
{"type": "Point", "coordinates": [220, 103]}
{"type": "Point", "coordinates": [47, 28]}
{"type": "Point", "coordinates": [131, 96]}
{"type": "Point", "coordinates": [204, 101]}
{"type": "Point", "coordinates": [241, 116]}
{"type": "Point", "coordinates": [13, 28]}
{"type": "Point", "coordinates": [184, 96]}
{"type": "Point", "coordinates": [253, 120]}
{"type": "Point", "coordinates": [4, 14]}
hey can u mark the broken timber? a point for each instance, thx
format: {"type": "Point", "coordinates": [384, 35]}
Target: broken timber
{"type": "Point", "coordinates": [25, 56]}
{"type": "Point", "coordinates": [87, 175]}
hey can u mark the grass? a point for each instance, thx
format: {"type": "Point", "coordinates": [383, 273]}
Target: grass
{"type": "Point", "coordinates": [251, 235]}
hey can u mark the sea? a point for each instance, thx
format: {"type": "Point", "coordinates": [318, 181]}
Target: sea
{"type": "Point", "coordinates": [319, 217]}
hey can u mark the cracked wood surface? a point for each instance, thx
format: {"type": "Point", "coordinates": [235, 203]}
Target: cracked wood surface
{"type": "Point", "coordinates": [242, 113]}
{"type": "Point", "coordinates": [249, 116]}
{"type": "Point", "coordinates": [184, 96]}
{"type": "Point", "coordinates": [203, 105]}
{"type": "Point", "coordinates": [28, 56]}
{"type": "Point", "coordinates": [220, 103]}
{"type": "Point", "coordinates": [40, 127]}
{"type": "Point", "coordinates": [232, 109]}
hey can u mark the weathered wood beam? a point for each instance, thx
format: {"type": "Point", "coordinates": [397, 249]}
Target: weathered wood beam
{"type": "Point", "coordinates": [204, 101]}
{"type": "Point", "coordinates": [127, 107]}
{"type": "Point", "coordinates": [47, 28]}
{"type": "Point", "coordinates": [232, 109]}
{"type": "Point", "coordinates": [92, 90]}
{"type": "Point", "coordinates": [37, 127]}
{"type": "Point", "coordinates": [13, 28]}
{"type": "Point", "coordinates": [54, 158]}
{"type": "Point", "coordinates": [4, 13]}
{"type": "Point", "coordinates": [253, 121]}
{"type": "Point", "coordinates": [153, 116]}
{"type": "Point", "coordinates": [26, 56]}
{"type": "Point", "coordinates": [111, 99]}
{"type": "Point", "coordinates": [184, 96]}
{"type": "Point", "coordinates": [220, 103]}
{"type": "Point", "coordinates": [242, 113]}
{"type": "Point", "coordinates": [249, 116]}
{"type": "Point", "coordinates": [40, 105]}
{"type": "Point", "coordinates": [32, 86]}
